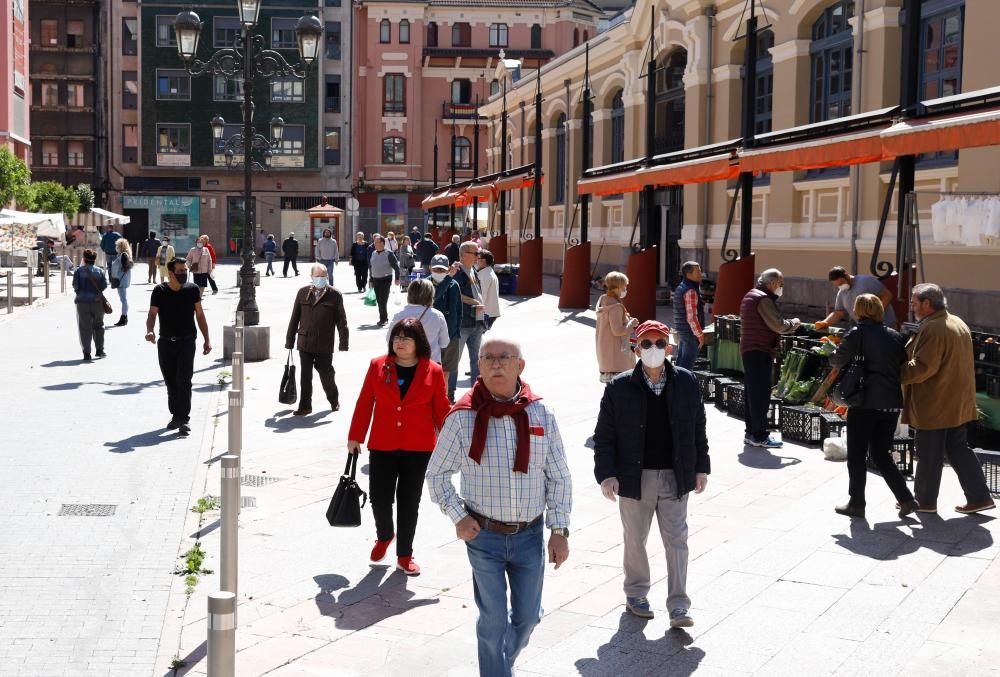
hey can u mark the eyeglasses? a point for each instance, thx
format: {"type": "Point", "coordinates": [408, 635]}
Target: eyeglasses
{"type": "Point", "coordinates": [646, 344]}
{"type": "Point", "coordinates": [402, 339]}
{"type": "Point", "coordinates": [503, 358]}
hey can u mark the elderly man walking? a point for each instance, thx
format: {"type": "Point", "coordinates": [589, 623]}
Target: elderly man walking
{"type": "Point", "coordinates": [650, 449]}
{"type": "Point", "coordinates": [689, 315]}
{"type": "Point", "coordinates": [939, 399]}
{"type": "Point", "coordinates": [760, 328]}
{"type": "Point", "coordinates": [505, 444]}
{"type": "Point", "coordinates": [318, 311]}
{"type": "Point", "coordinates": [328, 252]}
{"type": "Point", "coordinates": [472, 323]}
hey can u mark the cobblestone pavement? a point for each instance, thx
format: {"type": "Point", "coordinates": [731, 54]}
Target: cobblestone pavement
{"type": "Point", "coordinates": [779, 583]}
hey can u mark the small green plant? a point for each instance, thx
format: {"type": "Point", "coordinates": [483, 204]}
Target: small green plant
{"type": "Point", "coordinates": [190, 581]}
{"type": "Point", "coordinates": [193, 559]}
{"type": "Point", "coordinates": [224, 376]}
{"type": "Point", "coordinates": [206, 504]}
{"type": "Point", "coordinates": [176, 663]}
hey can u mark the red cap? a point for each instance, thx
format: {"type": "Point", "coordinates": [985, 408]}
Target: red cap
{"type": "Point", "coordinates": [651, 325]}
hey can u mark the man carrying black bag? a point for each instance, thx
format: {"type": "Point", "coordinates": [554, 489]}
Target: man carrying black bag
{"type": "Point", "coordinates": [318, 309]}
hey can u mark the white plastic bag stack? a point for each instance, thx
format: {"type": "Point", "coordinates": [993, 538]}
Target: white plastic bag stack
{"type": "Point", "coordinates": [835, 448]}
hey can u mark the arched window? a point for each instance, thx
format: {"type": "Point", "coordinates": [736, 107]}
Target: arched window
{"type": "Point", "coordinates": [461, 91]}
{"type": "Point", "coordinates": [393, 150]}
{"type": "Point", "coordinates": [384, 31]}
{"type": "Point", "coordinates": [941, 41]}
{"type": "Point", "coordinates": [559, 189]}
{"type": "Point", "coordinates": [618, 128]}
{"type": "Point", "coordinates": [404, 31]}
{"type": "Point", "coordinates": [461, 35]}
{"type": "Point", "coordinates": [462, 153]}
{"type": "Point", "coordinates": [432, 34]}
{"type": "Point", "coordinates": [498, 35]}
{"type": "Point", "coordinates": [832, 62]}
{"type": "Point", "coordinates": [576, 37]}
{"type": "Point", "coordinates": [586, 36]}
{"type": "Point", "coordinates": [765, 84]}
{"type": "Point", "coordinates": [494, 87]}
{"type": "Point", "coordinates": [670, 102]}
{"type": "Point", "coordinates": [536, 36]}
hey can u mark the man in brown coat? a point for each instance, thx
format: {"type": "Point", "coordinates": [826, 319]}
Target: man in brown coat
{"type": "Point", "coordinates": [939, 399]}
{"type": "Point", "coordinates": [318, 309]}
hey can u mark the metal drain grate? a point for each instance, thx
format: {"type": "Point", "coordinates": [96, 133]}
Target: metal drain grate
{"type": "Point", "coordinates": [258, 480]}
{"type": "Point", "coordinates": [249, 501]}
{"type": "Point", "coordinates": [87, 510]}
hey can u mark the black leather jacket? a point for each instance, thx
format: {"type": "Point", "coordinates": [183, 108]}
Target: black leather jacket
{"type": "Point", "coordinates": [884, 353]}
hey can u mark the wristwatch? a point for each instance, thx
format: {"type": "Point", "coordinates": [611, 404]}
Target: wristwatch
{"type": "Point", "coordinates": [562, 531]}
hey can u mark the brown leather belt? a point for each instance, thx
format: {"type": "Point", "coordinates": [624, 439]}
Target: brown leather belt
{"type": "Point", "coordinates": [505, 528]}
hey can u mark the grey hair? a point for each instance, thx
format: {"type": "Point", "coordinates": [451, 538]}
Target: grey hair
{"type": "Point", "coordinates": [420, 293]}
{"type": "Point", "coordinates": [514, 343]}
{"type": "Point", "coordinates": [928, 291]}
{"type": "Point", "coordinates": [323, 272]}
{"type": "Point", "coordinates": [769, 276]}
{"type": "Point", "coordinates": [456, 238]}
{"type": "Point", "coordinates": [468, 246]}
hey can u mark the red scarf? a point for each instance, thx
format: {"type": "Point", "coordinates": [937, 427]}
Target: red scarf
{"type": "Point", "coordinates": [481, 401]}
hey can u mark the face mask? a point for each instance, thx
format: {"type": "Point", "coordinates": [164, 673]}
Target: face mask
{"type": "Point", "coordinates": [779, 291]}
{"type": "Point", "coordinates": [844, 287]}
{"type": "Point", "coordinates": [181, 277]}
{"type": "Point", "coordinates": [199, 245]}
{"type": "Point", "coordinates": [653, 357]}
{"type": "Point", "coordinates": [320, 282]}
{"type": "Point", "coordinates": [623, 294]}
{"type": "Point", "coordinates": [437, 277]}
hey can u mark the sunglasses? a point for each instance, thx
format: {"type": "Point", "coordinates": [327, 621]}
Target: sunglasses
{"type": "Point", "coordinates": [646, 344]}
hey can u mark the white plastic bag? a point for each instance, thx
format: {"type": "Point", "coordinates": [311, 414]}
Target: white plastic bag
{"type": "Point", "coordinates": [835, 449]}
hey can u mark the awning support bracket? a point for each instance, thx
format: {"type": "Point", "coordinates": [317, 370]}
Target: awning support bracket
{"type": "Point", "coordinates": [730, 255]}
{"type": "Point", "coordinates": [884, 268]}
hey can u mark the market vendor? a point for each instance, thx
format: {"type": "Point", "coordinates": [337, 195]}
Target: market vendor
{"type": "Point", "coordinates": [849, 288]}
{"type": "Point", "coordinates": [760, 327]}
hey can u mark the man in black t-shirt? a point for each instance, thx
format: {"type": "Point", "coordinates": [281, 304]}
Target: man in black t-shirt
{"type": "Point", "coordinates": [177, 303]}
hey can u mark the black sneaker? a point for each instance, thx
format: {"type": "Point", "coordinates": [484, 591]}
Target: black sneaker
{"type": "Point", "coordinates": [184, 428]}
{"type": "Point", "coordinates": [101, 353]}
{"type": "Point", "coordinates": [87, 357]}
{"type": "Point", "coordinates": [174, 424]}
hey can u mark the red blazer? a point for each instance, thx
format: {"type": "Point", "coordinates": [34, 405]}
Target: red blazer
{"type": "Point", "coordinates": [410, 424]}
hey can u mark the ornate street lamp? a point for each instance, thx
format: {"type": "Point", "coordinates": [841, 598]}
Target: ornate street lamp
{"type": "Point", "coordinates": [247, 61]}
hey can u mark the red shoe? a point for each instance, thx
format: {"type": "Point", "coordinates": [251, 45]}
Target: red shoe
{"type": "Point", "coordinates": [407, 566]}
{"type": "Point", "coordinates": [378, 552]}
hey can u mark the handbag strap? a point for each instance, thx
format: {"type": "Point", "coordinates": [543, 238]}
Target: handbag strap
{"type": "Point", "coordinates": [93, 281]}
{"type": "Point", "coordinates": [352, 465]}
{"type": "Point", "coordinates": [289, 361]}
{"type": "Point", "coordinates": [423, 313]}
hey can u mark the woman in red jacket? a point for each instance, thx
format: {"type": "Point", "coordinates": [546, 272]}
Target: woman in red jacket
{"type": "Point", "coordinates": [407, 392]}
{"type": "Point", "coordinates": [211, 274]}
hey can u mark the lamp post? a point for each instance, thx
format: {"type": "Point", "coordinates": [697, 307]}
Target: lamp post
{"type": "Point", "coordinates": [248, 61]}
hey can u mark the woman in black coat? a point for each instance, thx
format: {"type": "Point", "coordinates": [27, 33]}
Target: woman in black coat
{"type": "Point", "coordinates": [359, 260]}
{"type": "Point", "coordinates": [870, 427]}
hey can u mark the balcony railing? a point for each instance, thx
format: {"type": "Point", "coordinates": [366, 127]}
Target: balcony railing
{"type": "Point", "coordinates": [450, 109]}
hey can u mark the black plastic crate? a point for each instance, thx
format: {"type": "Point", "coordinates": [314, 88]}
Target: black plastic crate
{"type": "Point", "coordinates": [720, 392]}
{"type": "Point", "coordinates": [832, 425]}
{"type": "Point", "coordinates": [736, 402]}
{"type": "Point", "coordinates": [802, 424]}
{"type": "Point", "coordinates": [902, 453]}
{"type": "Point", "coordinates": [990, 460]}
{"type": "Point", "coordinates": [702, 364]}
{"type": "Point", "coordinates": [706, 384]}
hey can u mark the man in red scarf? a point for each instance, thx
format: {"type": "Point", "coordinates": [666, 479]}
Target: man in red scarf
{"type": "Point", "coordinates": [504, 442]}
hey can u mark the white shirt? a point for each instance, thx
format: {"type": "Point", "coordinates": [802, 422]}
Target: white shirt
{"type": "Point", "coordinates": [490, 286]}
{"type": "Point", "coordinates": [433, 322]}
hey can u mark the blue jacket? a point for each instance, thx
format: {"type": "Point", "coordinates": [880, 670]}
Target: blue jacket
{"type": "Point", "coordinates": [680, 311]}
{"type": "Point", "coordinates": [620, 435]}
{"type": "Point", "coordinates": [108, 241]}
{"type": "Point", "coordinates": [84, 286]}
{"type": "Point", "coordinates": [270, 246]}
{"type": "Point", "coordinates": [465, 286]}
{"type": "Point", "coordinates": [124, 276]}
{"type": "Point", "coordinates": [448, 300]}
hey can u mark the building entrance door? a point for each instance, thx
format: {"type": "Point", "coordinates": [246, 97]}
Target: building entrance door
{"type": "Point", "coordinates": [234, 223]}
{"type": "Point", "coordinates": [137, 229]}
{"type": "Point", "coordinates": [671, 201]}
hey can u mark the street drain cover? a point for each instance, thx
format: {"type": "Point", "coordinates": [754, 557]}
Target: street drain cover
{"type": "Point", "coordinates": [249, 501]}
{"type": "Point", "coordinates": [87, 510]}
{"type": "Point", "coordinates": [258, 480]}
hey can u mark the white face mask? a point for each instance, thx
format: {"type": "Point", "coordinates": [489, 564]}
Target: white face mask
{"type": "Point", "coordinates": [623, 294]}
{"type": "Point", "coordinates": [779, 291]}
{"type": "Point", "coordinates": [653, 357]}
{"type": "Point", "coordinates": [320, 282]}
{"type": "Point", "coordinates": [844, 287]}
{"type": "Point", "coordinates": [437, 277]}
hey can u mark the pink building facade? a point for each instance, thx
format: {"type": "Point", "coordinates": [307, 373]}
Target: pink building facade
{"type": "Point", "coordinates": [422, 68]}
{"type": "Point", "coordinates": [16, 100]}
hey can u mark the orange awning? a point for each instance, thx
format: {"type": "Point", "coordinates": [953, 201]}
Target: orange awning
{"type": "Point", "coordinates": [968, 130]}
{"type": "Point", "coordinates": [714, 168]}
{"type": "Point", "coordinates": [483, 191]}
{"type": "Point", "coordinates": [837, 151]}
{"type": "Point", "coordinates": [443, 198]}
{"type": "Point", "coordinates": [514, 182]}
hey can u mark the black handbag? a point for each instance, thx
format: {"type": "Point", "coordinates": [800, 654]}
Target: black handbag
{"type": "Point", "coordinates": [348, 499]}
{"type": "Point", "coordinates": [849, 390]}
{"type": "Point", "coordinates": [288, 393]}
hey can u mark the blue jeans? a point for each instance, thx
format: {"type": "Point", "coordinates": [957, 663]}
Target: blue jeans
{"type": "Point", "coordinates": [496, 560]}
{"type": "Point", "coordinates": [269, 257]}
{"type": "Point", "coordinates": [469, 337]}
{"type": "Point", "coordinates": [687, 351]}
{"type": "Point", "coordinates": [329, 268]}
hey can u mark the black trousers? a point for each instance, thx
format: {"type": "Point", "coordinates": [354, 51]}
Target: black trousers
{"type": "Point", "coordinates": [382, 285]}
{"type": "Point", "coordinates": [757, 370]}
{"type": "Point", "coordinates": [400, 475]}
{"type": "Point", "coordinates": [933, 446]}
{"type": "Point", "coordinates": [323, 364]}
{"type": "Point", "coordinates": [360, 276]}
{"type": "Point", "coordinates": [870, 431]}
{"type": "Point", "coordinates": [289, 260]}
{"type": "Point", "coordinates": [90, 323]}
{"type": "Point", "coordinates": [211, 283]}
{"type": "Point", "coordinates": [177, 367]}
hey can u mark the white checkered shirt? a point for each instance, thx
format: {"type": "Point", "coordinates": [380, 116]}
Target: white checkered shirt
{"type": "Point", "coordinates": [492, 488]}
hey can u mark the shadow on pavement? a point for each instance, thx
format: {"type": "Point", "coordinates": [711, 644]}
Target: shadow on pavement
{"type": "Point", "coordinates": [207, 529]}
{"type": "Point", "coordinates": [197, 655]}
{"type": "Point", "coordinates": [764, 460]}
{"type": "Point", "coordinates": [289, 423]}
{"type": "Point", "coordinates": [371, 601]}
{"type": "Point", "coordinates": [627, 647]}
{"type": "Point", "coordinates": [63, 363]}
{"type": "Point", "coordinates": [147, 439]}
{"type": "Point", "coordinates": [952, 537]}
{"type": "Point", "coordinates": [128, 387]}
{"type": "Point", "coordinates": [370, 327]}
{"type": "Point", "coordinates": [579, 317]}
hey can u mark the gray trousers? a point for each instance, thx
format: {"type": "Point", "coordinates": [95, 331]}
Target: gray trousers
{"type": "Point", "coordinates": [659, 497]}
{"type": "Point", "coordinates": [90, 322]}
{"type": "Point", "coordinates": [933, 446]}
